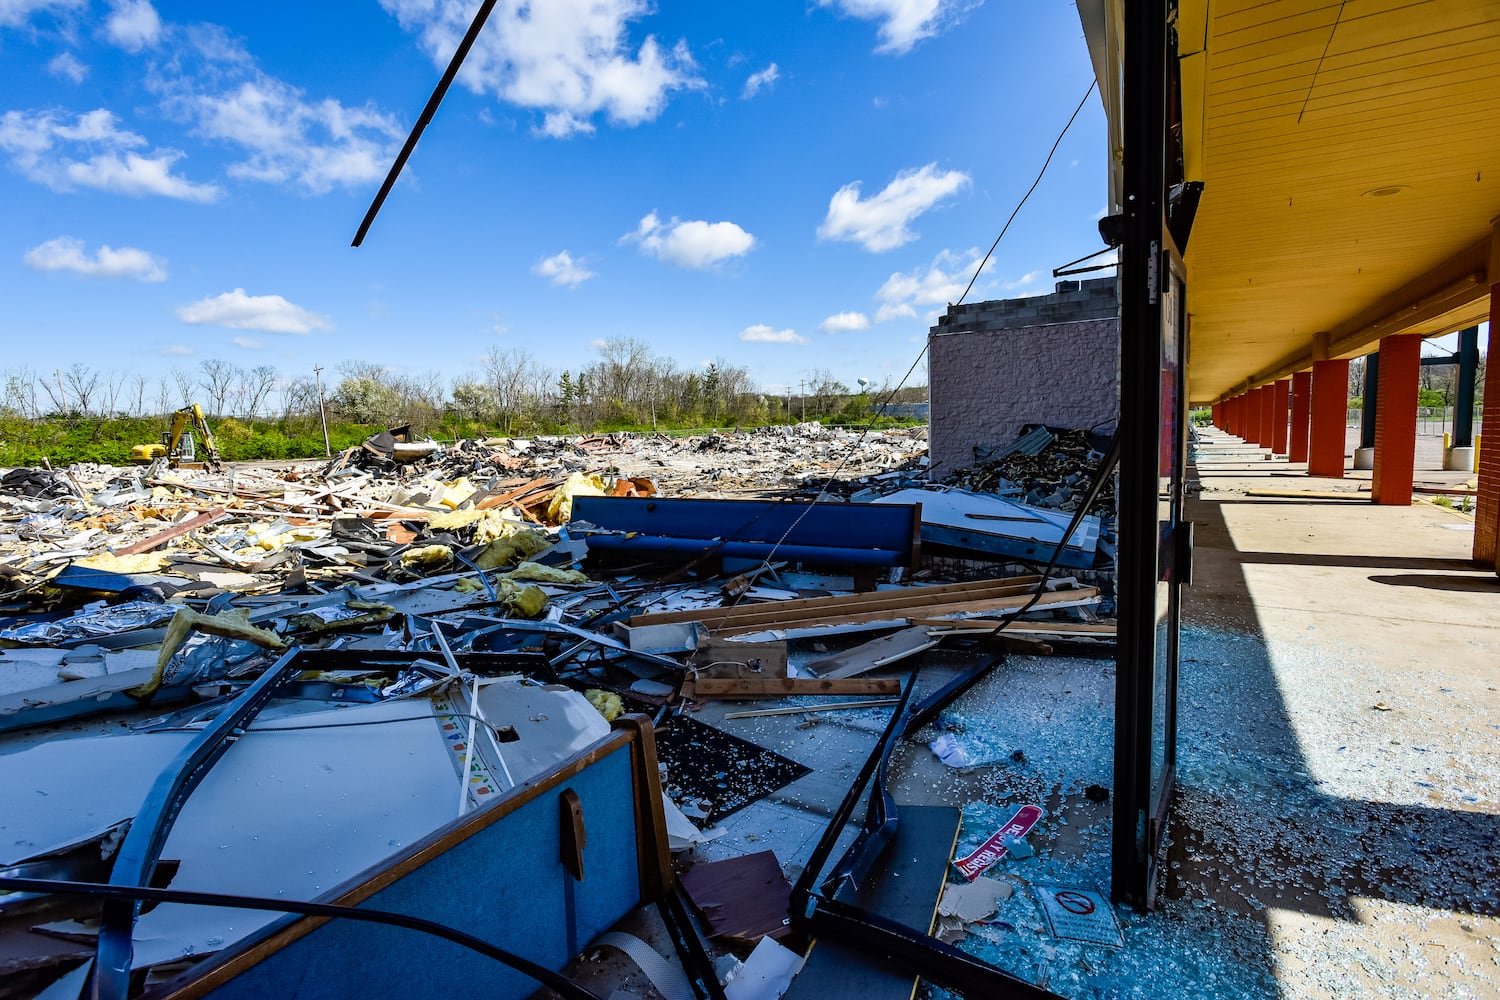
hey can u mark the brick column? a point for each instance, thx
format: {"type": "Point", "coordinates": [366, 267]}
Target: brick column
{"type": "Point", "coordinates": [1396, 420]}
{"type": "Point", "coordinates": [1281, 398]}
{"type": "Point", "coordinates": [1487, 506]}
{"type": "Point", "coordinates": [1301, 411]}
{"type": "Point", "coordinates": [1330, 406]}
{"type": "Point", "coordinates": [1267, 415]}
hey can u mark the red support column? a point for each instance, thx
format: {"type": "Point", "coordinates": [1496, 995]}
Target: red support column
{"type": "Point", "coordinates": [1330, 408]}
{"type": "Point", "coordinates": [1234, 415]}
{"type": "Point", "coordinates": [1396, 420]}
{"type": "Point", "coordinates": [1267, 420]}
{"type": "Point", "coordinates": [1281, 398]}
{"type": "Point", "coordinates": [1487, 503]}
{"type": "Point", "coordinates": [1252, 417]}
{"type": "Point", "coordinates": [1301, 411]}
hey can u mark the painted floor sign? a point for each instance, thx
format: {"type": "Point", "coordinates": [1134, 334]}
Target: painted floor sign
{"type": "Point", "coordinates": [1079, 915]}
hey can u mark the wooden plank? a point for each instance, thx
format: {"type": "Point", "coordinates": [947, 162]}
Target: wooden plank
{"type": "Point", "coordinates": [497, 499]}
{"type": "Point", "coordinates": [175, 531]}
{"type": "Point", "coordinates": [905, 886]}
{"type": "Point", "coordinates": [1025, 628]}
{"type": "Point", "coordinates": [904, 597]}
{"type": "Point", "coordinates": [896, 616]}
{"type": "Point", "coordinates": [873, 654]}
{"type": "Point", "coordinates": [781, 687]}
{"type": "Point", "coordinates": [810, 709]}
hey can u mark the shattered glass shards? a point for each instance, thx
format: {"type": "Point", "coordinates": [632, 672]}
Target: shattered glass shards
{"type": "Point", "coordinates": [710, 766]}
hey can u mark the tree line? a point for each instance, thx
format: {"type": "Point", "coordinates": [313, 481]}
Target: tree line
{"type": "Point", "coordinates": [625, 386]}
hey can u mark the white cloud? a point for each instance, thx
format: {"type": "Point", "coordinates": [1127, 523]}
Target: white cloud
{"type": "Point", "coordinates": [881, 222]}
{"type": "Point", "coordinates": [176, 351]}
{"type": "Point", "coordinates": [694, 244]}
{"type": "Point", "coordinates": [67, 66]}
{"type": "Point", "coordinates": [247, 343]}
{"type": "Point", "coordinates": [133, 25]}
{"type": "Point", "coordinates": [313, 145]}
{"type": "Point", "coordinates": [890, 311]}
{"type": "Point", "coordinates": [14, 13]}
{"type": "Point", "coordinates": [939, 283]}
{"type": "Point", "coordinates": [903, 23]}
{"type": "Point", "coordinates": [37, 141]}
{"type": "Point", "coordinates": [1028, 278]}
{"type": "Point", "coordinates": [568, 59]}
{"type": "Point", "coordinates": [66, 253]}
{"type": "Point", "coordinates": [845, 322]}
{"type": "Point", "coordinates": [762, 334]}
{"type": "Point", "coordinates": [760, 81]}
{"type": "Point", "coordinates": [265, 313]}
{"type": "Point", "coordinates": [563, 269]}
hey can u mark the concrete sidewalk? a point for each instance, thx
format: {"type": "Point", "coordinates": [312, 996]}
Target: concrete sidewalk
{"type": "Point", "coordinates": [1339, 738]}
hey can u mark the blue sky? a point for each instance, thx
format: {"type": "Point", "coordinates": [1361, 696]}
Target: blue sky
{"type": "Point", "coordinates": [787, 186]}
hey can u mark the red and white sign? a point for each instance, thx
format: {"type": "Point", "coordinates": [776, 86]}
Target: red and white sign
{"type": "Point", "coordinates": [994, 848]}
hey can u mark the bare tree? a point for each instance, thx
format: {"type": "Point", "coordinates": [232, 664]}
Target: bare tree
{"type": "Point", "coordinates": [20, 394]}
{"type": "Point", "coordinates": [138, 395]}
{"type": "Point", "coordinates": [163, 396]}
{"type": "Point", "coordinates": [112, 386]}
{"type": "Point", "coordinates": [184, 380]}
{"type": "Point", "coordinates": [82, 384]}
{"type": "Point", "coordinates": [258, 382]}
{"type": "Point", "coordinates": [509, 374]}
{"type": "Point", "coordinates": [299, 398]}
{"type": "Point", "coordinates": [217, 381]}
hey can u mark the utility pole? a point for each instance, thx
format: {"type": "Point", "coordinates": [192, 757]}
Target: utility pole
{"type": "Point", "coordinates": [802, 395]}
{"type": "Point", "coordinates": [322, 415]}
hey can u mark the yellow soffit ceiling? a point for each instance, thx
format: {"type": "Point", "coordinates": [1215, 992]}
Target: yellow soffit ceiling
{"type": "Point", "coordinates": [1350, 154]}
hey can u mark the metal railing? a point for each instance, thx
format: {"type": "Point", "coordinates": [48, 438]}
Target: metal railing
{"type": "Point", "coordinates": [1434, 421]}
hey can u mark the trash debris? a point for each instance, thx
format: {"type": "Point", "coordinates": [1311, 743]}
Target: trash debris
{"type": "Point", "coordinates": [965, 903]}
{"type": "Point", "coordinates": [741, 899]}
{"type": "Point", "coordinates": [1079, 915]}
{"type": "Point", "coordinates": [1002, 841]}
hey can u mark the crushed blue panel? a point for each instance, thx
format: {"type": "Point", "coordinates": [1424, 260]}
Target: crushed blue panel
{"type": "Point", "coordinates": [828, 533]}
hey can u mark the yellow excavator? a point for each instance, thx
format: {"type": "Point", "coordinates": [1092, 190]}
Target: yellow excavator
{"type": "Point", "coordinates": [177, 445]}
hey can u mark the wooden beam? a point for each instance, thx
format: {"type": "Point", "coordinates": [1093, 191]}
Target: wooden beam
{"type": "Point", "coordinates": [175, 531]}
{"type": "Point", "coordinates": [897, 615]}
{"type": "Point", "coordinates": [904, 597]}
{"type": "Point", "coordinates": [781, 687]}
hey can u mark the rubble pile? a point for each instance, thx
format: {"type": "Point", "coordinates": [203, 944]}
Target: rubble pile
{"type": "Point", "coordinates": [1044, 467]}
{"type": "Point", "coordinates": [401, 582]}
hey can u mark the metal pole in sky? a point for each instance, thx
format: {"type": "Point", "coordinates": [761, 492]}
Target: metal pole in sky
{"type": "Point", "coordinates": [322, 415]}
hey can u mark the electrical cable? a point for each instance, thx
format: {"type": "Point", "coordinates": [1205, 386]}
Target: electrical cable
{"type": "Point", "coordinates": [563, 985]}
{"type": "Point", "coordinates": [970, 287]}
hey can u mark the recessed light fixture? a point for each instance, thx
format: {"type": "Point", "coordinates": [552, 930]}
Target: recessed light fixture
{"type": "Point", "coordinates": [1389, 191]}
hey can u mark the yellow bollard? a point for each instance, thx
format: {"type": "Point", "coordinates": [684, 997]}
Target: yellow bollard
{"type": "Point", "coordinates": [1447, 443]}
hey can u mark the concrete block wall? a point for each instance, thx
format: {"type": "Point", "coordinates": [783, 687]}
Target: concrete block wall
{"type": "Point", "coordinates": [994, 367]}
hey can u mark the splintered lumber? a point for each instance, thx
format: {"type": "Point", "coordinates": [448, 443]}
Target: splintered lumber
{"type": "Point", "coordinates": [780, 687]}
{"type": "Point", "coordinates": [175, 531]}
{"type": "Point", "coordinates": [802, 608]}
{"type": "Point", "coordinates": [871, 655]}
{"type": "Point", "coordinates": [895, 606]}
{"type": "Point", "coordinates": [810, 709]}
{"type": "Point", "coordinates": [516, 493]}
{"type": "Point", "coordinates": [1072, 630]}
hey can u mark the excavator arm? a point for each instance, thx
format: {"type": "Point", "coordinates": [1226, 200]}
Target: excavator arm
{"type": "Point", "coordinates": [191, 416]}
